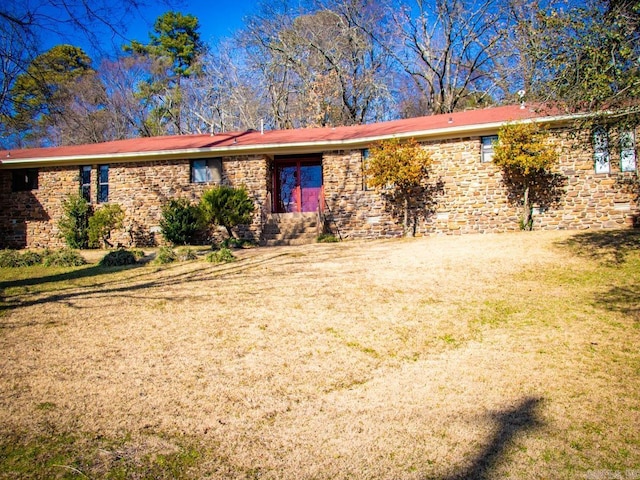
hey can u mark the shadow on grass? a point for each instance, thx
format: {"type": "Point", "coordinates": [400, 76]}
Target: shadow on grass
{"type": "Point", "coordinates": [75, 274]}
{"type": "Point", "coordinates": [612, 247]}
{"type": "Point", "coordinates": [608, 246]}
{"type": "Point", "coordinates": [623, 299]}
{"type": "Point", "coordinates": [116, 286]}
{"type": "Point", "coordinates": [510, 423]}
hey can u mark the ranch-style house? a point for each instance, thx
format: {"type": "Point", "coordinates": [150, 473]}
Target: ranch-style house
{"type": "Point", "coordinates": [307, 180]}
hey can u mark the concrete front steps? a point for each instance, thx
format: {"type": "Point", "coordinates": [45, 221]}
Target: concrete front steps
{"type": "Point", "coordinates": [290, 229]}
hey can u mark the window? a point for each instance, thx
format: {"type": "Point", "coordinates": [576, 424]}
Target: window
{"type": "Point", "coordinates": [206, 171]}
{"type": "Point", "coordinates": [85, 182]}
{"type": "Point", "coordinates": [601, 150]}
{"type": "Point", "coordinates": [628, 151]}
{"type": "Point", "coordinates": [365, 180]}
{"type": "Point", "coordinates": [24, 180]}
{"type": "Point", "coordinates": [487, 148]}
{"type": "Point", "coordinates": [103, 183]}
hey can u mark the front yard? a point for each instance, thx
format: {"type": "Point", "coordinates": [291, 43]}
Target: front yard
{"type": "Point", "coordinates": [481, 356]}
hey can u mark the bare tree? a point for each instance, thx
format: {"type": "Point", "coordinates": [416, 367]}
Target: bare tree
{"type": "Point", "coordinates": [269, 62]}
{"type": "Point", "coordinates": [450, 49]}
{"type": "Point", "coordinates": [342, 68]}
{"type": "Point", "coordinates": [224, 96]}
{"type": "Point", "coordinates": [127, 112]}
{"type": "Point", "coordinates": [319, 66]}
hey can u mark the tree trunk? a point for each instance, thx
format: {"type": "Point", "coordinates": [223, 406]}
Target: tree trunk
{"type": "Point", "coordinates": [527, 223]}
{"type": "Point", "coordinates": [405, 220]}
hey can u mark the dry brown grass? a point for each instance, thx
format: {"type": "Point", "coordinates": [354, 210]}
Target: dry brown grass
{"type": "Point", "coordinates": [493, 356]}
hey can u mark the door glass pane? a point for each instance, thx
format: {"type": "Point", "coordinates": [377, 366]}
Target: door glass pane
{"type": "Point", "coordinates": [287, 186]}
{"type": "Point", "coordinates": [311, 185]}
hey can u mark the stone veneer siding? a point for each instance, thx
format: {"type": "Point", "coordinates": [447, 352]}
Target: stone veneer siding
{"type": "Point", "coordinates": [471, 198]}
{"type": "Point", "coordinates": [29, 219]}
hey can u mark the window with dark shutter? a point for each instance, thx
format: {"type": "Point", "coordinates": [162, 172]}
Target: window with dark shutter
{"type": "Point", "coordinates": [24, 180]}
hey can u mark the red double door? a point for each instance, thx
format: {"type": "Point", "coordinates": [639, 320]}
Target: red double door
{"type": "Point", "coordinates": [298, 185]}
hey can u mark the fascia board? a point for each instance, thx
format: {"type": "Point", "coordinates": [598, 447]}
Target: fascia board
{"type": "Point", "coordinates": [271, 148]}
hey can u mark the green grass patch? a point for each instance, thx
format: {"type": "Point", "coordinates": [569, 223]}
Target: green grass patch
{"type": "Point", "coordinates": [73, 456]}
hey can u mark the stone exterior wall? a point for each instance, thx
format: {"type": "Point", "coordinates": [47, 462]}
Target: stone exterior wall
{"type": "Point", "coordinates": [470, 196]}
{"type": "Point", "coordinates": [29, 219]}
{"type": "Point", "coordinates": [467, 195]}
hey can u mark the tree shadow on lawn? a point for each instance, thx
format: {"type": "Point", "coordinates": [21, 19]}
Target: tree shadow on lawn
{"type": "Point", "coordinates": [608, 246]}
{"type": "Point", "coordinates": [118, 287]}
{"type": "Point", "coordinates": [510, 423]}
{"type": "Point", "coordinates": [624, 299]}
{"type": "Point", "coordinates": [611, 247]}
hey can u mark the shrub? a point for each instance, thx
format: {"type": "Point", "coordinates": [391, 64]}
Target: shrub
{"type": "Point", "coordinates": [233, 242]}
{"type": "Point", "coordinates": [165, 255]}
{"type": "Point", "coordinates": [326, 238]}
{"type": "Point", "coordinates": [224, 255]}
{"type": "Point", "coordinates": [138, 254]}
{"type": "Point", "coordinates": [227, 206]}
{"type": "Point", "coordinates": [74, 223]}
{"type": "Point", "coordinates": [9, 259]}
{"type": "Point", "coordinates": [65, 257]}
{"type": "Point", "coordinates": [103, 222]}
{"type": "Point", "coordinates": [118, 258]}
{"type": "Point", "coordinates": [14, 259]}
{"type": "Point", "coordinates": [180, 222]}
{"type": "Point", "coordinates": [29, 259]}
{"type": "Point", "coordinates": [186, 253]}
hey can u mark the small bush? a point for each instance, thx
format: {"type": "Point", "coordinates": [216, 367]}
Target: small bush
{"type": "Point", "coordinates": [165, 255]}
{"type": "Point", "coordinates": [10, 259]}
{"type": "Point", "coordinates": [118, 258]}
{"type": "Point", "coordinates": [186, 253]}
{"type": "Point", "coordinates": [233, 242]}
{"type": "Point", "coordinates": [224, 255]}
{"type": "Point", "coordinates": [65, 257]}
{"type": "Point", "coordinates": [31, 258]}
{"type": "Point", "coordinates": [139, 254]}
{"type": "Point", "coordinates": [180, 222]}
{"type": "Point", "coordinates": [227, 206]}
{"type": "Point", "coordinates": [14, 259]}
{"type": "Point", "coordinates": [327, 238]}
{"type": "Point", "coordinates": [74, 224]}
{"type": "Point", "coordinates": [106, 219]}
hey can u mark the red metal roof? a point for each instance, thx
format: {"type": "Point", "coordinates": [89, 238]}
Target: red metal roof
{"type": "Point", "coordinates": [282, 138]}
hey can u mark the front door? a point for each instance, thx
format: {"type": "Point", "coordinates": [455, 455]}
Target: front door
{"type": "Point", "coordinates": [298, 186]}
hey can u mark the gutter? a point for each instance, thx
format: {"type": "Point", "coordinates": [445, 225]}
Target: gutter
{"type": "Point", "coordinates": [273, 148]}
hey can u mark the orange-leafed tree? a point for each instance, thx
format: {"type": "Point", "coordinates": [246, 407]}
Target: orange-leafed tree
{"type": "Point", "coordinates": [527, 157]}
{"type": "Point", "coordinates": [400, 169]}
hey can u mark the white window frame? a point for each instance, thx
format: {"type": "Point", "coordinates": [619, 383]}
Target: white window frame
{"type": "Point", "coordinates": [486, 148]}
{"type": "Point", "coordinates": [601, 156]}
{"type": "Point", "coordinates": [628, 161]}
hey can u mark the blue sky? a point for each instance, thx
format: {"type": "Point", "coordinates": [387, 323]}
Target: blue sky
{"type": "Point", "coordinates": [218, 18]}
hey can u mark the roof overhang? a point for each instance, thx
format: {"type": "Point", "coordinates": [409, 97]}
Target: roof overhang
{"type": "Point", "coordinates": [272, 149]}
